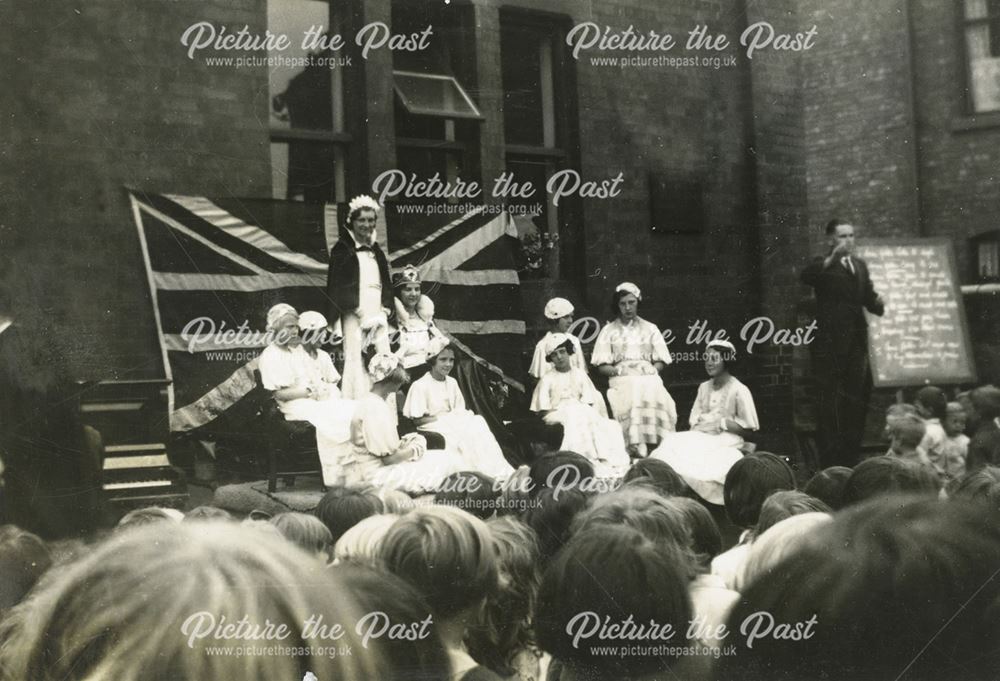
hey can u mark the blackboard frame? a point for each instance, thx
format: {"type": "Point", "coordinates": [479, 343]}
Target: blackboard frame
{"type": "Point", "coordinates": [952, 267]}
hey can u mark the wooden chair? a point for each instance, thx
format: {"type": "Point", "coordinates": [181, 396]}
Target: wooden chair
{"type": "Point", "coordinates": [290, 445]}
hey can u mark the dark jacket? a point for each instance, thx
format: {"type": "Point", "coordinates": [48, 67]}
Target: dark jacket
{"type": "Point", "coordinates": [984, 447]}
{"type": "Point", "coordinates": [841, 298]}
{"type": "Point", "coordinates": [342, 276]}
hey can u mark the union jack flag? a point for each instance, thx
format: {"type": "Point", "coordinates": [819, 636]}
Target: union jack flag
{"type": "Point", "coordinates": [215, 266]}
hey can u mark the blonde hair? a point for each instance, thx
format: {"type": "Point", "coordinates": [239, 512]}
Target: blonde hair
{"type": "Point", "coordinates": [305, 531]}
{"type": "Point", "coordinates": [447, 553]}
{"type": "Point", "coordinates": [362, 541]}
{"type": "Point", "coordinates": [132, 608]}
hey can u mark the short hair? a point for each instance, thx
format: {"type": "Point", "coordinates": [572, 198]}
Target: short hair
{"type": "Point", "coordinates": [361, 543]}
{"type": "Point", "coordinates": [934, 400]}
{"type": "Point", "coordinates": [386, 598]}
{"type": "Point", "coordinates": [833, 224]}
{"type": "Point", "coordinates": [565, 469]}
{"type": "Point", "coordinates": [616, 573]}
{"type": "Point", "coordinates": [342, 507]}
{"type": "Point", "coordinates": [828, 485]}
{"type": "Point", "coordinates": [144, 516]}
{"type": "Point", "coordinates": [894, 412]}
{"type": "Point", "coordinates": [658, 474]}
{"type": "Point", "coordinates": [706, 540]}
{"type": "Point", "coordinates": [750, 481]}
{"type": "Point", "coordinates": [203, 512]}
{"type": "Point", "coordinates": [785, 504]}
{"type": "Point", "coordinates": [986, 401]}
{"type": "Point", "coordinates": [398, 376]}
{"type": "Point", "coordinates": [982, 485]}
{"type": "Point", "coordinates": [908, 430]}
{"type": "Point", "coordinates": [24, 558]}
{"type": "Point", "coordinates": [567, 345]}
{"type": "Point", "coordinates": [645, 510]}
{"type": "Point", "coordinates": [395, 501]}
{"type": "Point", "coordinates": [919, 574]}
{"type": "Point", "coordinates": [133, 609]}
{"type": "Point", "coordinates": [504, 627]}
{"type": "Point", "coordinates": [777, 542]}
{"type": "Point", "coordinates": [305, 531]}
{"type": "Point", "coordinates": [616, 298]}
{"type": "Point", "coordinates": [446, 553]}
{"type": "Point", "coordinates": [470, 491]}
{"type": "Point", "coordinates": [883, 475]}
{"type": "Point", "coordinates": [551, 515]}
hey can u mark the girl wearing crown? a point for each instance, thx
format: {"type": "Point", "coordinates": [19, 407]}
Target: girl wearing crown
{"type": "Point", "coordinates": [359, 291]}
{"type": "Point", "coordinates": [415, 322]}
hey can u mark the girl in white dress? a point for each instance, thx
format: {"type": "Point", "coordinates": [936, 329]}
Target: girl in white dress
{"type": "Point", "coordinates": [435, 403]}
{"type": "Point", "coordinates": [414, 322]}
{"type": "Point", "coordinates": [304, 383]}
{"type": "Point", "coordinates": [631, 352]}
{"type": "Point", "coordinates": [379, 456]}
{"type": "Point", "coordinates": [722, 416]}
{"type": "Point", "coordinates": [559, 312]}
{"type": "Point", "coordinates": [567, 396]}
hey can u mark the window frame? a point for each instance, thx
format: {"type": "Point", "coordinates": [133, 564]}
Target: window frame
{"type": "Point", "coordinates": [964, 23]}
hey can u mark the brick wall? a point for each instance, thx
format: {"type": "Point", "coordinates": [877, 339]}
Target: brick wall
{"type": "Point", "coordinates": [107, 98]}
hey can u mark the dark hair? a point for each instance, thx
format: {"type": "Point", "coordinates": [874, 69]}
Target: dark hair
{"type": "Point", "coordinates": [934, 399]}
{"type": "Point", "coordinates": [881, 475]}
{"type": "Point", "coordinates": [828, 485]}
{"type": "Point", "coordinates": [616, 298]}
{"type": "Point", "coordinates": [567, 344]}
{"type": "Point", "coordinates": [706, 540]}
{"type": "Point", "coordinates": [569, 469]}
{"type": "Point", "coordinates": [986, 401]}
{"type": "Point", "coordinates": [504, 628]}
{"type": "Point", "coordinates": [470, 491]}
{"type": "Point", "coordinates": [657, 474]}
{"type": "Point", "coordinates": [785, 504]}
{"type": "Point", "coordinates": [375, 590]}
{"type": "Point", "coordinates": [616, 573]}
{"type": "Point", "coordinates": [982, 485]}
{"type": "Point", "coordinates": [550, 515]}
{"type": "Point", "coordinates": [896, 588]}
{"type": "Point", "coordinates": [750, 481]}
{"type": "Point", "coordinates": [832, 225]}
{"type": "Point", "coordinates": [24, 558]}
{"type": "Point", "coordinates": [341, 508]}
{"type": "Point", "coordinates": [446, 553]}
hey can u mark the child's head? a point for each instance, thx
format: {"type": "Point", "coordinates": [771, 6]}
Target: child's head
{"type": "Point", "coordinates": [145, 603]}
{"type": "Point", "coordinates": [982, 485]}
{"type": "Point", "coordinates": [551, 515]}
{"type": "Point", "coordinates": [658, 475]}
{"type": "Point", "coordinates": [559, 312]}
{"type": "Point", "coordinates": [387, 374]}
{"type": "Point", "coordinates": [884, 475]}
{"type": "Point", "coordinates": [609, 574]}
{"type": "Point", "coordinates": [343, 507]}
{"type": "Point", "coordinates": [706, 540]}
{"type": "Point", "coordinates": [558, 349]}
{"type": "Point", "coordinates": [954, 419]}
{"type": "Point", "coordinates": [984, 405]}
{"type": "Point", "coordinates": [442, 363]}
{"type": "Point", "coordinates": [469, 491]}
{"type": "Point", "coordinates": [561, 471]}
{"type": "Point", "coordinates": [828, 485]}
{"type": "Point", "coordinates": [305, 531]}
{"type": "Point", "coordinates": [200, 513]}
{"type": "Point", "coordinates": [313, 330]}
{"type": "Point", "coordinates": [361, 543]}
{"type": "Point", "coordinates": [24, 558]}
{"type": "Point", "coordinates": [893, 414]}
{"type": "Point", "coordinates": [504, 627]}
{"type": "Point", "coordinates": [786, 504]}
{"type": "Point", "coordinates": [906, 434]}
{"type": "Point", "coordinates": [920, 574]}
{"type": "Point", "coordinates": [407, 285]}
{"type": "Point", "coordinates": [283, 325]}
{"type": "Point", "coordinates": [931, 402]}
{"type": "Point", "coordinates": [750, 481]}
{"type": "Point", "coordinates": [447, 554]}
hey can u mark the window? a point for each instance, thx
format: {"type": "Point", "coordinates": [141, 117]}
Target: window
{"type": "Point", "coordinates": [982, 45]}
{"type": "Point", "coordinates": [306, 119]}
{"type": "Point", "coordinates": [436, 117]}
{"type": "Point", "coordinates": [539, 131]}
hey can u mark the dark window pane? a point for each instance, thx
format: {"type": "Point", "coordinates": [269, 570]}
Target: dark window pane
{"type": "Point", "coordinates": [303, 171]}
{"type": "Point", "coordinates": [301, 96]}
{"type": "Point", "coordinates": [521, 72]}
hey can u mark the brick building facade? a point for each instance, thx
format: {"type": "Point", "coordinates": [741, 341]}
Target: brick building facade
{"type": "Point", "coordinates": [868, 124]}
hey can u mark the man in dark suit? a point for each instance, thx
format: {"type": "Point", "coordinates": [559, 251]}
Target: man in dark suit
{"type": "Point", "coordinates": [840, 352]}
{"type": "Point", "coordinates": [360, 293]}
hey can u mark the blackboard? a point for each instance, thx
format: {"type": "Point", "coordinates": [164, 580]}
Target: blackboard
{"type": "Point", "coordinates": [923, 337]}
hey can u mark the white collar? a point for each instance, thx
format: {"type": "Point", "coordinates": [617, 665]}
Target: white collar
{"type": "Point", "coordinates": [4, 325]}
{"type": "Point", "coordinates": [358, 244]}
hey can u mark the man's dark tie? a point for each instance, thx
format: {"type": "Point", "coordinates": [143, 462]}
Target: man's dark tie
{"type": "Point", "coordinates": [364, 248]}
{"type": "Point", "coordinates": [848, 265]}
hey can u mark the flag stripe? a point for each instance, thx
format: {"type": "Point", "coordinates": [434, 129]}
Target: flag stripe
{"type": "Point", "coordinates": [172, 281]}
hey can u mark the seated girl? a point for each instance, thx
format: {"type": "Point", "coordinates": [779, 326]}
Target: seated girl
{"type": "Point", "coordinates": [414, 321]}
{"type": "Point", "coordinates": [567, 396]}
{"type": "Point", "coordinates": [436, 404]}
{"type": "Point", "coordinates": [379, 456]}
{"type": "Point", "coordinates": [304, 381]}
{"type": "Point", "coordinates": [722, 416]}
{"type": "Point", "coordinates": [559, 313]}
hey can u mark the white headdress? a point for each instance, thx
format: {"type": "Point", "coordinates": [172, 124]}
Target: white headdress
{"type": "Point", "coordinates": [381, 365]}
{"type": "Point", "coordinates": [363, 201]}
{"type": "Point", "coordinates": [629, 287]}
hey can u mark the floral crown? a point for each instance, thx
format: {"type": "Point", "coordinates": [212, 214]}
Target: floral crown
{"type": "Point", "coordinates": [363, 201]}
